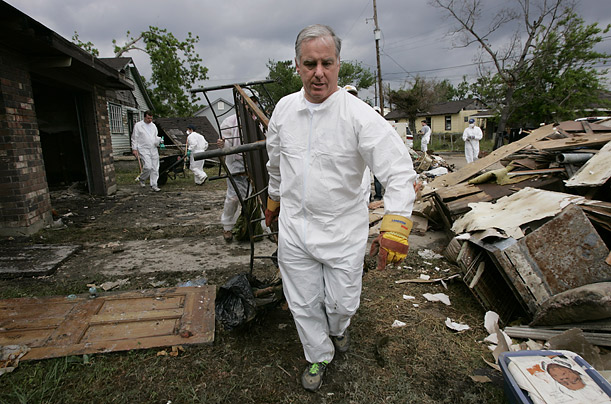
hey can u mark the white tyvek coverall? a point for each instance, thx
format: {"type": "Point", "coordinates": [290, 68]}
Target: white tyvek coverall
{"type": "Point", "coordinates": [426, 138]}
{"type": "Point", "coordinates": [316, 164]}
{"type": "Point", "coordinates": [472, 135]}
{"type": "Point", "coordinates": [145, 140]}
{"type": "Point", "coordinates": [197, 143]}
{"type": "Point", "coordinates": [235, 165]}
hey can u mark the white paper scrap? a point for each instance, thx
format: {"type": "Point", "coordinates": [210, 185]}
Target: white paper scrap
{"type": "Point", "coordinates": [429, 254]}
{"type": "Point", "coordinates": [490, 319]}
{"type": "Point", "coordinates": [437, 297]}
{"type": "Point", "coordinates": [425, 277]}
{"type": "Point", "coordinates": [398, 323]}
{"type": "Point", "coordinates": [408, 297]}
{"type": "Point", "coordinates": [451, 324]}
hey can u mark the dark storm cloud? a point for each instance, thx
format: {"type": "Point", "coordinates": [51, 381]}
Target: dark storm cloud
{"type": "Point", "coordinates": [238, 38]}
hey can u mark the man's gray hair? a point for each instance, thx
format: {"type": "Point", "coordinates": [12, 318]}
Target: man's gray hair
{"type": "Point", "coordinates": [316, 31]}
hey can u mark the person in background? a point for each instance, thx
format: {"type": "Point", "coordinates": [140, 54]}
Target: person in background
{"type": "Point", "coordinates": [426, 136]}
{"type": "Point", "coordinates": [196, 143]}
{"type": "Point", "coordinates": [145, 141]}
{"type": "Point", "coordinates": [471, 136]}
{"type": "Point", "coordinates": [235, 164]}
{"type": "Point", "coordinates": [319, 141]}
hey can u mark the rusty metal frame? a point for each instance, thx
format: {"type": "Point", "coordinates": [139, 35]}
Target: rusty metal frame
{"type": "Point", "coordinates": [252, 123]}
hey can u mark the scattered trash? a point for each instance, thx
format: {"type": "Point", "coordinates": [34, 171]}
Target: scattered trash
{"type": "Point", "coordinates": [438, 297]}
{"type": "Point", "coordinates": [71, 297]}
{"type": "Point", "coordinates": [93, 292]}
{"type": "Point", "coordinates": [425, 277]}
{"type": "Point", "coordinates": [398, 323]}
{"type": "Point", "coordinates": [451, 324]}
{"type": "Point", "coordinates": [158, 284]}
{"type": "Point", "coordinates": [114, 284]}
{"type": "Point", "coordinates": [235, 302]}
{"type": "Point", "coordinates": [176, 349]}
{"type": "Point", "coordinates": [195, 282]}
{"type": "Point", "coordinates": [407, 297]}
{"type": "Point", "coordinates": [480, 379]}
{"type": "Point", "coordinates": [420, 280]}
{"type": "Point", "coordinates": [429, 254]}
{"type": "Point", "coordinates": [9, 357]}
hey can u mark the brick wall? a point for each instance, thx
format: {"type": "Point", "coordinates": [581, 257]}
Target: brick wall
{"type": "Point", "coordinates": [25, 206]}
{"type": "Point", "coordinates": [105, 139]}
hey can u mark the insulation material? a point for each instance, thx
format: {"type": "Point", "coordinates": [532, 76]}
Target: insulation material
{"type": "Point", "coordinates": [509, 212]}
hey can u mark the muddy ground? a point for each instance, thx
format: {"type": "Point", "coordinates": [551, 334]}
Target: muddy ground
{"type": "Point", "coordinates": [162, 239]}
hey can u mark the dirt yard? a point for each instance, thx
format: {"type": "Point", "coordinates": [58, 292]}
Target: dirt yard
{"type": "Point", "coordinates": [161, 239]}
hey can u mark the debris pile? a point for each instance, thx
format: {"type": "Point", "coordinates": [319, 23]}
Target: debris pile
{"type": "Point", "coordinates": [531, 226]}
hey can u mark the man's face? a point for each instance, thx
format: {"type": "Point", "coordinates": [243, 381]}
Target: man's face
{"type": "Point", "coordinates": [568, 378]}
{"type": "Point", "coordinates": [318, 68]}
{"type": "Point", "coordinates": [148, 118]}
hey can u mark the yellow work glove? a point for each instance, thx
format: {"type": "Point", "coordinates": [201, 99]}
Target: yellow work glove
{"type": "Point", "coordinates": [271, 212]}
{"type": "Point", "coordinates": [391, 245]}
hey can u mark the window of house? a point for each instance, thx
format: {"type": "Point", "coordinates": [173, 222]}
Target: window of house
{"type": "Point", "coordinates": [448, 122]}
{"type": "Point", "coordinates": [116, 118]}
{"type": "Point", "coordinates": [220, 105]}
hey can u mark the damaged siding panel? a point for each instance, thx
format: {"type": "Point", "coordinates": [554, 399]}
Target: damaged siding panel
{"type": "Point", "coordinates": [595, 172]}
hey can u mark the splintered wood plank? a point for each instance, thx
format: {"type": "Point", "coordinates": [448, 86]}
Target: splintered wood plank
{"type": "Point", "coordinates": [116, 321]}
{"type": "Point", "coordinates": [475, 167]}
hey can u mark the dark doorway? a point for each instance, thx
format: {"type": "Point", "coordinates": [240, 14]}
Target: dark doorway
{"type": "Point", "coordinates": [60, 136]}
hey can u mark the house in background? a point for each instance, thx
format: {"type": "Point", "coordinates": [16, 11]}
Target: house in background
{"type": "Point", "coordinates": [126, 107]}
{"type": "Point", "coordinates": [219, 107]}
{"type": "Point", "coordinates": [450, 117]}
{"type": "Point", "coordinates": [174, 132]}
{"type": "Point", "coordinates": [54, 125]}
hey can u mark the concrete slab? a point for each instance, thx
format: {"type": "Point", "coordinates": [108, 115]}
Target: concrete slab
{"type": "Point", "coordinates": [38, 260]}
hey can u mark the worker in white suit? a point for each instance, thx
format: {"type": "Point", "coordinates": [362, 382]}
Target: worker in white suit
{"type": "Point", "coordinates": [471, 136]}
{"type": "Point", "coordinates": [235, 164]}
{"type": "Point", "coordinates": [144, 146]}
{"type": "Point", "coordinates": [319, 141]}
{"type": "Point", "coordinates": [196, 143]}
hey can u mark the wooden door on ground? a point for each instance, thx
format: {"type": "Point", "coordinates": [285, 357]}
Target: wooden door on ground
{"type": "Point", "coordinates": [119, 321]}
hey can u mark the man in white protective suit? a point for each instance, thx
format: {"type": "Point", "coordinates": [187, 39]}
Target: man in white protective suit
{"type": "Point", "coordinates": [319, 141]}
{"type": "Point", "coordinates": [426, 136]}
{"type": "Point", "coordinates": [472, 135]}
{"type": "Point", "coordinates": [196, 143]}
{"type": "Point", "coordinates": [235, 164]}
{"type": "Point", "coordinates": [144, 146]}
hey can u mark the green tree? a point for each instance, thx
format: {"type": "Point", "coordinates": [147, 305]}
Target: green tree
{"type": "Point", "coordinates": [175, 66]}
{"type": "Point", "coordinates": [287, 80]}
{"type": "Point", "coordinates": [422, 95]}
{"type": "Point", "coordinates": [513, 58]}
{"type": "Point", "coordinates": [88, 46]}
{"type": "Point", "coordinates": [562, 80]}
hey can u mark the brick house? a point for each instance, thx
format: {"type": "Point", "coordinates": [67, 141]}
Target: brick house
{"type": "Point", "coordinates": [54, 126]}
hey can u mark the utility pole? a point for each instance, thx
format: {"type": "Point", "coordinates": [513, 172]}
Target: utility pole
{"type": "Point", "coordinates": [377, 36]}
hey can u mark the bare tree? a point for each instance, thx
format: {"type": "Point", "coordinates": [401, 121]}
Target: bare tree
{"type": "Point", "coordinates": [530, 20]}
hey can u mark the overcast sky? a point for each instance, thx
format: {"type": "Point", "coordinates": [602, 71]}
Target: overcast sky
{"type": "Point", "coordinates": [239, 37]}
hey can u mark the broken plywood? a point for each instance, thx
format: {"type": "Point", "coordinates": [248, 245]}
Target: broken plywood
{"type": "Point", "coordinates": [478, 165]}
{"type": "Point", "coordinates": [509, 212]}
{"type": "Point", "coordinates": [37, 260]}
{"type": "Point", "coordinates": [595, 172]}
{"type": "Point", "coordinates": [60, 326]}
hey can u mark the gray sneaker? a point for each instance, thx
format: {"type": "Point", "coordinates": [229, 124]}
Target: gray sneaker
{"type": "Point", "coordinates": [142, 183]}
{"type": "Point", "coordinates": [156, 189]}
{"type": "Point", "coordinates": [342, 343]}
{"type": "Point", "coordinates": [311, 379]}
